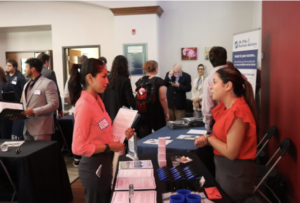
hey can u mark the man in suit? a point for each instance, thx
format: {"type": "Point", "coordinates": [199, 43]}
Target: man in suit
{"type": "Point", "coordinates": [40, 100]}
{"type": "Point", "coordinates": [50, 74]}
{"type": "Point", "coordinates": [177, 83]}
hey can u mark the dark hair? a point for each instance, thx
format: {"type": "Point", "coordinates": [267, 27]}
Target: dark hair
{"type": "Point", "coordinates": [119, 68]}
{"type": "Point", "coordinates": [43, 57]}
{"type": "Point", "coordinates": [241, 87]}
{"type": "Point", "coordinates": [217, 56]}
{"type": "Point", "coordinates": [200, 65]}
{"type": "Point", "coordinates": [102, 58]}
{"type": "Point", "coordinates": [77, 78]}
{"type": "Point", "coordinates": [150, 66]}
{"type": "Point", "coordinates": [13, 62]}
{"type": "Point", "coordinates": [3, 78]}
{"type": "Point", "coordinates": [229, 64]}
{"type": "Point", "coordinates": [74, 83]}
{"type": "Point", "coordinates": [35, 63]}
{"type": "Point", "coordinates": [82, 59]}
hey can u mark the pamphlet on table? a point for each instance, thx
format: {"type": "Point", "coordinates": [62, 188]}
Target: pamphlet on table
{"type": "Point", "coordinates": [9, 105]}
{"type": "Point", "coordinates": [198, 132]}
{"type": "Point", "coordinates": [13, 143]}
{"type": "Point", "coordinates": [187, 137]}
{"type": "Point", "coordinates": [155, 141]}
{"type": "Point", "coordinates": [138, 197]}
{"type": "Point", "coordinates": [135, 164]}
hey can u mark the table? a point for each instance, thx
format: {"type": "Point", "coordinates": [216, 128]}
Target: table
{"type": "Point", "coordinates": [39, 172]}
{"type": "Point", "coordinates": [176, 145]}
{"type": "Point", "coordinates": [66, 123]}
{"type": "Point", "coordinates": [162, 187]}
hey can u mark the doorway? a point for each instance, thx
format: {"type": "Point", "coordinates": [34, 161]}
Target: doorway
{"type": "Point", "coordinates": [72, 53]}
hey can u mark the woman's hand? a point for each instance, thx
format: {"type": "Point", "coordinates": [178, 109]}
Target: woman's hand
{"type": "Point", "coordinates": [129, 133]}
{"type": "Point", "coordinates": [116, 146]}
{"type": "Point", "coordinates": [201, 141]}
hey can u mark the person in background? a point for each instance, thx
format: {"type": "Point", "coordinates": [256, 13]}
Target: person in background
{"type": "Point", "coordinates": [103, 59]}
{"type": "Point", "coordinates": [40, 100]}
{"type": "Point", "coordinates": [82, 59]}
{"type": "Point", "coordinates": [15, 77]}
{"type": "Point", "coordinates": [157, 110]}
{"type": "Point", "coordinates": [5, 124]}
{"type": "Point", "coordinates": [50, 74]}
{"type": "Point", "coordinates": [234, 133]}
{"type": "Point", "coordinates": [178, 83]}
{"type": "Point", "coordinates": [17, 80]}
{"type": "Point", "coordinates": [197, 90]}
{"type": "Point", "coordinates": [217, 57]}
{"type": "Point", "coordinates": [92, 136]}
{"type": "Point", "coordinates": [119, 91]}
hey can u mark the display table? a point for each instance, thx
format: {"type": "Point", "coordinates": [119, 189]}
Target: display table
{"type": "Point", "coordinates": [39, 172]}
{"type": "Point", "coordinates": [177, 145]}
{"type": "Point", "coordinates": [173, 186]}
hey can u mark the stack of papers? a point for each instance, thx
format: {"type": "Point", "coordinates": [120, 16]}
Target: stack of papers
{"type": "Point", "coordinates": [187, 137]}
{"type": "Point", "coordinates": [138, 197]}
{"type": "Point", "coordinates": [161, 153]}
{"type": "Point", "coordinates": [193, 122]}
{"type": "Point", "coordinates": [156, 142]}
{"type": "Point", "coordinates": [142, 179]}
{"type": "Point", "coordinates": [177, 124]}
{"type": "Point", "coordinates": [135, 164]}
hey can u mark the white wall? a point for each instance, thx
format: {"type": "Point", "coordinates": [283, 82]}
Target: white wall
{"type": "Point", "coordinates": [146, 27]}
{"type": "Point", "coordinates": [73, 24]}
{"type": "Point", "coordinates": [199, 24]}
{"type": "Point", "coordinates": [24, 41]}
{"type": "Point", "coordinates": [257, 23]}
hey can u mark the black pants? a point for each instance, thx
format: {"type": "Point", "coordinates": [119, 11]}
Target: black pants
{"type": "Point", "coordinates": [96, 190]}
{"type": "Point", "coordinates": [147, 123]}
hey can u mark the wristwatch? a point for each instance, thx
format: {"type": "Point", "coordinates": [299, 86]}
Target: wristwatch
{"type": "Point", "coordinates": [207, 136]}
{"type": "Point", "coordinates": [107, 149]}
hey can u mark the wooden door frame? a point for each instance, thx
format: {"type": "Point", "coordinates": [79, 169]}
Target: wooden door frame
{"type": "Point", "coordinates": [64, 57]}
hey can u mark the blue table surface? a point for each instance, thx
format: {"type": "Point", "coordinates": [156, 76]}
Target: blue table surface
{"type": "Point", "coordinates": [175, 146]}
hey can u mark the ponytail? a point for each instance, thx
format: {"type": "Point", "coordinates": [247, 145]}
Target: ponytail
{"type": "Point", "coordinates": [74, 84]}
{"type": "Point", "coordinates": [249, 98]}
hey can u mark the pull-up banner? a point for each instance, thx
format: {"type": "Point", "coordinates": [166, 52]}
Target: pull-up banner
{"type": "Point", "coordinates": [244, 56]}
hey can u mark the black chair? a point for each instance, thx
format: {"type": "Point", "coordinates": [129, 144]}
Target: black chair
{"type": "Point", "coordinates": [266, 172]}
{"type": "Point", "coordinates": [272, 130]}
{"type": "Point", "coordinates": [4, 185]}
{"type": "Point", "coordinates": [189, 112]}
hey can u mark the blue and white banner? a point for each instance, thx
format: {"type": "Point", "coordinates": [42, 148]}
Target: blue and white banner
{"type": "Point", "coordinates": [244, 56]}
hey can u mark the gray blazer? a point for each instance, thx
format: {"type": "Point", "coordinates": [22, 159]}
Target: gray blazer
{"type": "Point", "coordinates": [50, 74]}
{"type": "Point", "coordinates": [43, 98]}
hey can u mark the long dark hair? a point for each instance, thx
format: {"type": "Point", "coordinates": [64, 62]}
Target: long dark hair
{"type": "Point", "coordinates": [241, 87]}
{"type": "Point", "coordinates": [3, 78]}
{"type": "Point", "coordinates": [77, 78]}
{"type": "Point", "coordinates": [119, 68]}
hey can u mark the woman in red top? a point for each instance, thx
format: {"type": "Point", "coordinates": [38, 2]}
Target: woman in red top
{"type": "Point", "coordinates": [234, 133]}
{"type": "Point", "coordinates": [92, 136]}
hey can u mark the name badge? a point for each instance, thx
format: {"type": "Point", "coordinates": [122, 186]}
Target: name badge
{"type": "Point", "coordinates": [37, 92]}
{"type": "Point", "coordinates": [14, 82]}
{"type": "Point", "coordinates": [103, 124]}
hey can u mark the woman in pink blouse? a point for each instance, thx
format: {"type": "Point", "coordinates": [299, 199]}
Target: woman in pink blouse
{"type": "Point", "coordinates": [92, 136]}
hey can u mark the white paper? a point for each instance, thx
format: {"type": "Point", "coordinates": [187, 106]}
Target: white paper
{"type": "Point", "coordinates": [8, 105]}
{"type": "Point", "coordinates": [155, 141]}
{"type": "Point", "coordinates": [187, 137]}
{"type": "Point", "coordinates": [199, 132]}
{"type": "Point", "coordinates": [138, 197]}
{"type": "Point", "coordinates": [139, 183]}
{"type": "Point", "coordinates": [123, 120]}
{"type": "Point", "coordinates": [135, 173]}
{"type": "Point", "coordinates": [13, 143]}
{"type": "Point", "coordinates": [135, 164]}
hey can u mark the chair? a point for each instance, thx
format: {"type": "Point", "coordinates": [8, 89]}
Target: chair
{"type": "Point", "coordinates": [263, 142]}
{"type": "Point", "coordinates": [268, 171]}
{"type": "Point", "coordinates": [65, 145]}
{"type": "Point", "coordinates": [10, 181]}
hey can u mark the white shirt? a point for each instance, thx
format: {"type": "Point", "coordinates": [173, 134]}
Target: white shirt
{"type": "Point", "coordinates": [197, 93]}
{"type": "Point", "coordinates": [207, 101]}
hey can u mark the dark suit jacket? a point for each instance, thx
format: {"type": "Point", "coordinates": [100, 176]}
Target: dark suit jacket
{"type": "Point", "coordinates": [50, 74]}
{"type": "Point", "coordinates": [177, 95]}
{"type": "Point", "coordinates": [120, 95]}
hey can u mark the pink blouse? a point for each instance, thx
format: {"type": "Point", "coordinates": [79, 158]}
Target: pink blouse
{"type": "Point", "coordinates": [92, 125]}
